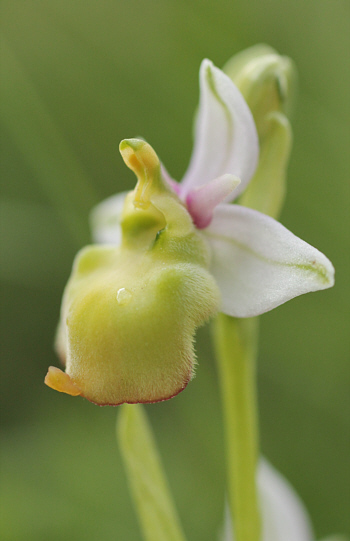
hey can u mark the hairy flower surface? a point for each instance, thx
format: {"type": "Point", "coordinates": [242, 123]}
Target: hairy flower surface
{"type": "Point", "coordinates": [170, 256]}
{"type": "Point", "coordinates": [129, 313]}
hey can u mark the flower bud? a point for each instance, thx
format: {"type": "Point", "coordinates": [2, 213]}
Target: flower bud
{"type": "Point", "coordinates": [129, 313]}
{"type": "Point", "coordinates": [267, 82]}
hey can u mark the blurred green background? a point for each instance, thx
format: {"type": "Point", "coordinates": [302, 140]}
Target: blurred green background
{"type": "Point", "coordinates": [79, 76]}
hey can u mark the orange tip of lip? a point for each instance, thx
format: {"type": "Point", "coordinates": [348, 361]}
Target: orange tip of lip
{"type": "Point", "coordinates": [60, 381]}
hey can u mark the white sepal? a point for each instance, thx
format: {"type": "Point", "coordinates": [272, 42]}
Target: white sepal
{"type": "Point", "coordinates": [258, 264]}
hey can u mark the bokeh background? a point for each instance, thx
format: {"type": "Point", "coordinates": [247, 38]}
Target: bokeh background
{"type": "Point", "coordinates": [79, 76]}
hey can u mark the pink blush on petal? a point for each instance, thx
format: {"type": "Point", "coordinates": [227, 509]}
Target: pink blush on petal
{"type": "Point", "coordinates": [202, 201]}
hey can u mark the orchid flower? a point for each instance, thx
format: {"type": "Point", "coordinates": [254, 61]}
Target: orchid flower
{"type": "Point", "coordinates": [257, 263]}
{"type": "Point", "coordinates": [211, 256]}
{"type": "Point", "coordinates": [284, 517]}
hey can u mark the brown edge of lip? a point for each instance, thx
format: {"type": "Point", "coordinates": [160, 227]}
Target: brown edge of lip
{"type": "Point", "coordinates": [143, 401]}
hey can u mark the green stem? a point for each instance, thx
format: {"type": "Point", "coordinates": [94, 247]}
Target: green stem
{"type": "Point", "coordinates": [152, 497]}
{"type": "Point", "coordinates": [236, 342]}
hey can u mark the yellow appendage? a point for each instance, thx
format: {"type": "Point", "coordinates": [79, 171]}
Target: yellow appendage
{"type": "Point", "coordinates": [60, 381]}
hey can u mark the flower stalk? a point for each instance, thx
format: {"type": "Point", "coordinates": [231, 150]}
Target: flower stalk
{"type": "Point", "coordinates": [153, 501]}
{"type": "Point", "coordinates": [267, 82]}
{"type": "Point", "coordinates": [235, 343]}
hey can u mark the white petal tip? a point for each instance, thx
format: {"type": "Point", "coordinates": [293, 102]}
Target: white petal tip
{"type": "Point", "coordinates": [322, 271]}
{"type": "Point", "coordinates": [230, 181]}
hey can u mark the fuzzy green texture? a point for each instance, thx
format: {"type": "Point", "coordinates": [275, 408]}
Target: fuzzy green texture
{"type": "Point", "coordinates": [129, 313]}
{"type": "Point", "coordinates": [151, 495]}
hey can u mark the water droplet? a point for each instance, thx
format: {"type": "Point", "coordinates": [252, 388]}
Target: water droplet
{"type": "Point", "coordinates": [124, 296]}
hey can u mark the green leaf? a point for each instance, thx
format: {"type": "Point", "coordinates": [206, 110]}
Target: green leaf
{"type": "Point", "coordinates": [154, 505]}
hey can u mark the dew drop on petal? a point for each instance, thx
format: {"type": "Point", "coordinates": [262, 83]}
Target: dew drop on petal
{"type": "Point", "coordinates": [124, 296]}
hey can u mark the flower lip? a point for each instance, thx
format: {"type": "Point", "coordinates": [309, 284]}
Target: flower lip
{"type": "Point", "coordinates": [164, 399]}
